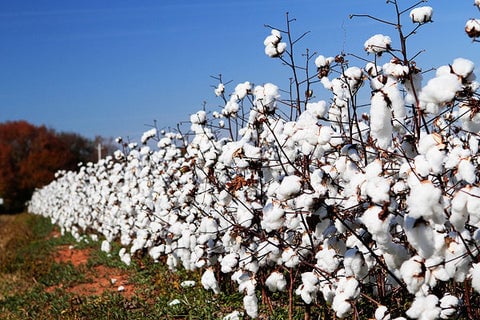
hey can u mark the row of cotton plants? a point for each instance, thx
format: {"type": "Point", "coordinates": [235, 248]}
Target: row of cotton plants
{"type": "Point", "coordinates": [315, 198]}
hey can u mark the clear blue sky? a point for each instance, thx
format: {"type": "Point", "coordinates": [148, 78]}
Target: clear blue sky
{"type": "Point", "coordinates": [110, 67]}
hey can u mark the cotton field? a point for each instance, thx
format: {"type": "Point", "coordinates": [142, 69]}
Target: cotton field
{"type": "Point", "coordinates": [321, 197]}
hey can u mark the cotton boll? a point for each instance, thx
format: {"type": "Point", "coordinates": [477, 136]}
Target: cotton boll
{"type": "Point", "coordinates": [354, 78]}
{"type": "Point", "coordinates": [327, 259]}
{"type": "Point", "coordinates": [395, 69]}
{"type": "Point", "coordinates": [473, 144]}
{"type": "Point", "coordinates": [229, 262]}
{"type": "Point", "coordinates": [341, 306]}
{"type": "Point", "coordinates": [428, 141]}
{"type": "Point", "coordinates": [463, 67]}
{"type": "Point", "coordinates": [421, 236]}
{"type": "Point", "coordinates": [421, 14]}
{"type": "Point", "coordinates": [435, 159]}
{"type": "Point", "coordinates": [325, 135]}
{"type": "Point", "coordinates": [220, 89]}
{"type": "Point", "coordinates": [413, 274]}
{"type": "Point", "coordinates": [271, 50]}
{"type": "Point", "coordinates": [435, 271]}
{"type": "Point", "coordinates": [422, 167]}
{"type": "Point", "coordinates": [377, 223]}
{"type": "Point", "coordinates": [354, 264]}
{"type": "Point", "coordinates": [347, 290]}
{"type": "Point", "coordinates": [381, 313]}
{"type": "Point", "coordinates": [424, 308]}
{"type": "Point", "coordinates": [473, 204]}
{"type": "Point", "coordinates": [414, 86]}
{"type": "Point", "coordinates": [309, 287]}
{"type": "Point", "coordinates": [242, 89]}
{"type": "Point", "coordinates": [378, 189]}
{"type": "Point", "coordinates": [156, 251]}
{"type": "Point", "coordinates": [276, 282]}
{"type": "Point", "coordinates": [125, 256]}
{"type": "Point", "coordinates": [209, 281]}
{"type": "Point", "coordinates": [281, 47]}
{"type": "Point", "coordinates": [353, 74]}
{"type": "Point", "coordinates": [105, 246]}
{"type": "Point", "coordinates": [290, 187]}
{"type": "Point", "coordinates": [440, 90]}
{"type": "Point", "coordinates": [449, 305]}
{"type": "Point", "coordinates": [290, 258]}
{"type": "Point", "coordinates": [207, 230]}
{"type": "Point", "coordinates": [235, 315]}
{"type": "Point", "coordinates": [322, 61]}
{"type": "Point", "coordinates": [269, 252]}
{"type": "Point", "coordinates": [273, 47]}
{"type": "Point", "coordinates": [466, 171]}
{"type": "Point", "coordinates": [380, 121]}
{"type": "Point", "coordinates": [459, 260]}
{"type": "Point", "coordinates": [378, 44]}
{"type": "Point", "coordinates": [397, 105]}
{"type": "Point", "coordinates": [317, 109]}
{"type": "Point", "coordinates": [265, 97]}
{"type": "Point", "coordinates": [231, 108]}
{"type": "Point", "coordinates": [454, 157]}
{"type": "Point", "coordinates": [305, 120]}
{"type": "Point", "coordinates": [250, 303]}
{"type": "Point", "coordinates": [148, 135]}
{"type": "Point", "coordinates": [459, 212]}
{"type": "Point", "coordinates": [244, 216]}
{"type": "Point", "coordinates": [273, 217]}
{"type": "Point", "coordinates": [425, 200]}
{"type": "Point", "coordinates": [373, 70]}
{"type": "Point", "coordinates": [251, 152]}
{"type": "Point", "coordinates": [472, 28]}
{"type": "Point", "coordinates": [198, 118]}
{"type": "Point", "coordinates": [475, 274]}
{"type": "Point", "coordinates": [247, 286]}
{"type": "Point", "coordinates": [273, 38]}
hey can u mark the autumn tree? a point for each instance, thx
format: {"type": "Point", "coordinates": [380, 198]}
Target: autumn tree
{"type": "Point", "coordinates": [30, 155]}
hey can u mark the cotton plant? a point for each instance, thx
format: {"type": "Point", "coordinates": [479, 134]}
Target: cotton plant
{"type": "Point", "coordinates": [318, 199]}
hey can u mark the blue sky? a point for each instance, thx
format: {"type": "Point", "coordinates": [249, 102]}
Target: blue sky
{"type": "Point", "coordinates": [110, 68]}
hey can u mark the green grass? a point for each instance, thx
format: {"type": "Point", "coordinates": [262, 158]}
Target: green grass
{"type": "Point", "coordinates": [27, 270]}
{"type": "Point", "coordinates": [34, 286]}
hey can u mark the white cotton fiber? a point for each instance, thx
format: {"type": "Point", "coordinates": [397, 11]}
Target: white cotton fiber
{"type": "Point", "coordinates": [289, 187]}
{"type": "Point", "coordinates": [421, 14]}
{"type": "Point", "coordinates": [380, 121]}
{"type": "Point", "coordinates": [377, 44]}
{"type": "Point", "coordinates": [276, 282]}
{"type": "Point", "coordinates": [209, 281]}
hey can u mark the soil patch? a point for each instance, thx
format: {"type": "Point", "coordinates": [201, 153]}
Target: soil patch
{"type": "Point", "coordinates": [67, 253]}
{"type": "Point", "coordinates": [99, 279]}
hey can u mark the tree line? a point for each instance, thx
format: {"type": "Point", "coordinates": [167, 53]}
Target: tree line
{"type": "Point", "coordinates": [30, 155]}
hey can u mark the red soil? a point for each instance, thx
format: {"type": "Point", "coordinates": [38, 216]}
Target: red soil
{"type": "Point", "coordinates": [99, 279]}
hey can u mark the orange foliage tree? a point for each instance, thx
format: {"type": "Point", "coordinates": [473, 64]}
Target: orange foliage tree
{"type": "Point", "coordinates": [30, 155]}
